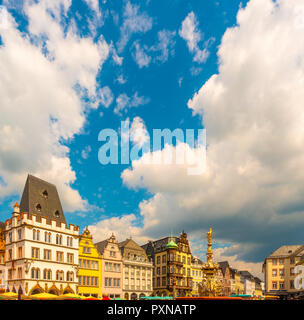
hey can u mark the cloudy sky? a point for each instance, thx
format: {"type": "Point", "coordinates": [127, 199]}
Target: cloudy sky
{"type": "Point", "coordinates": [69, 69]}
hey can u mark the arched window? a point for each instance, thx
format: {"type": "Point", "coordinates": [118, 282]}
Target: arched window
{"type": "Point", "coordinates": [38, 235]}
{"type": "Point", "coordinates": [50, 237]}
{"type": "Point", "coordinates": [37, 273]}
{"type": "Point", "coordinates": [45, 274]}
{"type": "Point", "coordinates": [45, 237]}
{"type": "Point", "coordinates": [34, 234]}
{"type": "Point", "coordinates": [33, 273]}
{"type": "Point", "coordinates": [60, 239]}
{"type": "Point", "coordinates": [71, 242]}
{"type": "Point", "coordinates": [57, 239]}
{"type": "Point", "coordinates": [45, 194]}
{"type": "Point", "coordinates": [49, 274]}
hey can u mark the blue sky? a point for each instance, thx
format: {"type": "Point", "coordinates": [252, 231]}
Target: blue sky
{"type": "Point", "coordinates": [73, 68]}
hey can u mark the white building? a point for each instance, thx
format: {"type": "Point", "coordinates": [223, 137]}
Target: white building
{"type": "Point", "coordinates": [41, 249]}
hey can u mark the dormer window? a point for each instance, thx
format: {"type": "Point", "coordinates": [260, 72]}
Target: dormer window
{"type": "Point", "coordinates": [38, 207]}
{"type": "Point", "coordinates": [45, 194]}
{"type": "Point", "coordinates": [57, 214]}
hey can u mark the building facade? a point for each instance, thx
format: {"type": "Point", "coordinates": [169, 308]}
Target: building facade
{"type": "Point", "coordinates": [90, 267]}
{"type": "Point", "coordinates": [197, 275]}
{"type": "Point", "coordinates": [3, 275]}
{"type": "Point", "coordinates": [41, 250]}
{"type": "Point", "coordinates": [137, 270]}
{"type": "Point", "coordinates": [111, 271]}
{"type": "Point", "coordinates": [172, 265]}
{"type": "Point", "coordinates": [226, 278]}
{"type": "Point", "coordinates": [279, 270]}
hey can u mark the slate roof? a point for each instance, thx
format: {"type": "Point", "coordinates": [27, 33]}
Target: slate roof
{"type": "Point", "coordinates": [100, 246]}
{"type": "Point", "coordinates": [224, 265]}
{"type": "Point", "coordinates": [286, 251]}
{"type": "Point", "coordinates": [41, 198]}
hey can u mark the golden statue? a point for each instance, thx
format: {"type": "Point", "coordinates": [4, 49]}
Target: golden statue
{"type": "Point", "coordinates": [210, 285]}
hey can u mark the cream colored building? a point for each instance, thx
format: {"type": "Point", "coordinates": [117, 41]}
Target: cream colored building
{"type": "Point", "coordinates": [41, 249]}
{"type": "Point", "coordinates": [137, 270]}
{"type": "Point", "coordinates": [279, 270]}
{"type": "Point", "coordinates": [111, 273]}
{"type": "Point", "coordinates": [197, 275]}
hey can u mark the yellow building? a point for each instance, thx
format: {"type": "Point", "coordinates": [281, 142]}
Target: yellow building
{"type": "Point", "coordinates": [197, 275]}
{"type": "Point", "coordinates": [89, 273]}
{"type": "Point", "coordinates": [279, 270]}
{"type": "Point", "coordinates": [172, 266]}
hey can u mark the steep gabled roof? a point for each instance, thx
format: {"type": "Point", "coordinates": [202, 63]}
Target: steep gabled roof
{"type": "Point", "coordinates": [224, 265]}
{"type": "Point", "coordinates": [41, 198]}
{"type": "Point", "coordinates": [100, 246]}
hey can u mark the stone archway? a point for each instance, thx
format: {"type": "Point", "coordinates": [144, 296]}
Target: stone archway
{"type": "Point", "coordinates": [54, 290]}
{"type": "Point", "coordinates": [142, 295]}
{"type": "Point", "coordinates": [36, 289]}
{"type": "Point", "coordinates": [68, 289]}
{"type": "Point", "coordinates": [126, 296]}
{"type": "Point", "coordinates": [133, 296]}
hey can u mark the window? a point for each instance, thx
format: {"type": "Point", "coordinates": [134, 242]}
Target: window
{"type": "Point", "coordinates": [35, 273]}
{"type": "Point", "coordinates": [47, 274]}
{"type": "Point", "coordinates": [274, 285]}
{"type": "Point", "coordinates": [292, 271]}
{"type": "Point", "coordinates": [59, 256]}
{"type": "Point", "coordinates": [59, 275]}
{"type": "Point", "coordinates": [281, 272]}
{"type": "Point", "coordinates": [281, 261]}
{"type": "Point", "coordinates": [45, 194]}
{"type": "Point", "coordinates": [158, 270]}
{"type": "Point", "coordinates": [38, 235]}
{"type": "Point", "coordinates": [50, 238]}
{"type": "Point", "coordinates": [38, 207]}
{"type": "Point", "coordinates": [112, 254]}
{"type": "Point", "coordinates": [282, 285]}
{"type": "Point", "coordinates": [274, 272]}
{"type": "Point", "coordinates": [292, 260]}
{"type": "Point", "coordinates": [70, 276]}
{"type": "Point", "coordinates": [10, 254]}
{"type": "Point", "coordinates": [20, 252]}
{"type": "Point", "coordinates": [163, 281]}
{"type": "Point", "coordinates": [35, 253]}
{"type": "Point", "coordinates": [184, 259]}
{"type": "Point", "coordinates": [45, 237]}
{"type": "Point", "coordinates": [10, 236]}
{"type": "Point", "coordinates": [291, 284]}
{"type": "Point", "coordinates": [164, 258]}
{"type": "Point", "coordinates": [47, 254]}
{"type": "Point", "coordinates": [274, 262]}
{"type": "Point", "coordinates": [19, 273]}
{"type": "Point", "coordinates": [19, 234]}
{"type": "Point", "coordinates": [164, 270]}
{"type": "Point", "coordinates": [70, 257]}
{"type": "Point", "coordinates": [57, 214]}
{"type": "Point", "coordinates": [158, 260]}
{"type": "Point", "coordinates": [34, 234]}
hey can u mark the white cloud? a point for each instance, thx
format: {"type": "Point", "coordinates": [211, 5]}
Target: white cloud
{"type": "Point", "coordinates": [165, 44]}
{"type": "Point", "coordinates": [124, 102]}
{"type": "Point", "coordinates": [140, 55]}
{"type": "Point", "coordinates": [191, 33]}
{"type": "Point", "coordinates": [251, 192]}
{"type": "Point", "coordinates": [39, 107]}
{"type": "Point", "coordinates": [123, 227]}
{"type": "Point", "coordinates": [134, 22]}
{"type": "Point", "coordinates": [86, 152]}
{"type": "Point", "coordinates": [105, 96]}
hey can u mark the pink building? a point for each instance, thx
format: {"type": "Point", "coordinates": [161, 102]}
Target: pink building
{"type": "Point", "coordinates": [111, 273]}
